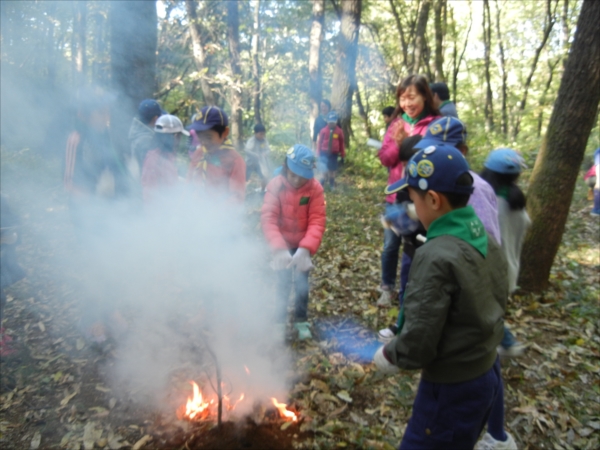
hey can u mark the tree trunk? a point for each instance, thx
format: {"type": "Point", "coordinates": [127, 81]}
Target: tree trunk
{"type": "Point", "coordinates": [558, 162]}
{"type": "Point", "coordinates": [458, 62]}
{"type": "Point", "coordinates": [133, 34]}
{"type": "Point", "coordinates": [233, 38]}
{"type": "Point", "coordinates": [315, 84]}
{"type": "Point", "coordinates": [362, 112]}
{"type": "Point", "coordinates": [344, 76]}
{"type": "Point", "coordinates": [403, 43]}
{"type": "Point", "coordinates": [439, 9]}
{"type": "Point", "coordinates": [256, 63]}
{"type": "Point", "coordinates": [551, 66]}
{"type": "Point", "coordinates": [198, 52]}
{"type": "Point", "coordinates": [502, 67]}
{"type": "Point", "coordinates": [565, 31]}
{"type": "Point", "coordinates": [550, 19]}
{"type": "Point", "coordinates": [100, 71]}
{"type": "Point", "coordinates": [78, 48]}
{"type": "Point", "coordinates": [420, 36]}
{"type": "Point", "coordinates": [487, 44]}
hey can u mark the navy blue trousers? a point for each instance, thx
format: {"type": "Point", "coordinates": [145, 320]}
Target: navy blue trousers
{"type": "Point", "coordinates": [451, 416]}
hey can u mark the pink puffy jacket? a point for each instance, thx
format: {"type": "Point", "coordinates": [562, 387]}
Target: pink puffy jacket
{"type": "Point", "coordinates": [389, 154]}
{"type": "Point", "coordinates": [293, 218]}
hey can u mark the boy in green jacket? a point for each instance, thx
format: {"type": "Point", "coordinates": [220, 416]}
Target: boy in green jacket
{"type": "Point", "coordinates": [454, 307]}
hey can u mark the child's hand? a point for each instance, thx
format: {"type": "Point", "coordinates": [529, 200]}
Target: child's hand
{"type": "Point", "coordinates": [383, 364]}
{"type": "Point", "coordinates": [301, 260]}
{"type": "Point", "coordinates": [281, 260]}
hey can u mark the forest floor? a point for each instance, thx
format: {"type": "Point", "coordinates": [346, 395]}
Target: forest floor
{"type": "Point", "coordinates": [54, 392]}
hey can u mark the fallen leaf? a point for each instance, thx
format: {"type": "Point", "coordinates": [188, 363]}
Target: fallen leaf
{"type": "Point", "coordinates": [112, 402]}
{"type": "Point", "coordinates": [41, 326]}
{"type": "Point", "coordinates": [285, 425]}
{"type": "Point", "coordinates": [139, 444]}
{"type": "Point", "coordinates": [79, 344]}
{"type": "Point", "coordinates": [101, 388]}
{"type": "Point", "coordinates": [344, 396]}
{"type": "Point", "coordinates": [35, 442]}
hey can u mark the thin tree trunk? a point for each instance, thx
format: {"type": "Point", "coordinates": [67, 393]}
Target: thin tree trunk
{"type": "Point", "coordinates": [551, 66]}
{"type": "Point", "coordinates": [557, 165]}
{"type": "Point", "coordinates": [565, 31]}
{"type": "Point", "coordinates": [487, 44]}
{"type": "Point", "coordinates": [503, 73]}
{"type": "Point", "coordinates": [458, 62]}
{"type": "Point", "coordinates": [315, 84]}
{"type": "Point", "coordinates": [99, 68]}
{"type": "Point", "coordinates": [344, 76]}
{"type": "Point", "coordinates": [420, 36]}
{"type": "Point", "coordinates": [233, 38]}
{"type": "Point", "coordinates": [550, 19]}
{"type": "Point", "coordinates": [439, 9]}
{"type": "Point", "coordinates": [198, 51]}
{"type": "Point", "coordinates": [79, 42]}
{"type": "Point", "coordinates": [403, 43]}
{"type": "Point", "coordinates": [362, 113]}
{"type": "Point", "coordinates": [256, 63]}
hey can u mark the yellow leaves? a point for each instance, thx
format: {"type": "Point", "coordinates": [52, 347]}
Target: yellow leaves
{"type": "Point", "coordinates": [344, 396]}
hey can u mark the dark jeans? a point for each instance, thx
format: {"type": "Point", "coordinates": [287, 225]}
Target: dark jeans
{"type": "Point", "coordinates": [299, 280]}
{"type": "Point", "coordinates": [404, 271]}
{"type": "Point", "coordinates": [389, 256]}
{"type": "Point", "coordinates": [452, 415]}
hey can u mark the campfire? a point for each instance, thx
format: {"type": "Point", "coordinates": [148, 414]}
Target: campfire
{"type": "Point", "coordinates": [203, 407]}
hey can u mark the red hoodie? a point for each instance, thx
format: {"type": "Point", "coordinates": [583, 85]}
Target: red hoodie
{"type": "Point", "coordinates": [158, 171]}
{"type": "Point", "coordinates": [293, 218]}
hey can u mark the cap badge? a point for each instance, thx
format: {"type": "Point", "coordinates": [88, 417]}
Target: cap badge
{"type": "Point", "coordinates": [199, 116]}
{"type": "Point", "coordinates": [412, 169]}
{"type": "Point", "coordinates": [423, 184]}
{"type": "Point", "coordinates": [429, 150]}
{"type": "Point", "coordinates": [425, 168]}
{"type": "Point", "coordinates": [435, 128]}
{"type": "Point", "coordinates": [290, 150]}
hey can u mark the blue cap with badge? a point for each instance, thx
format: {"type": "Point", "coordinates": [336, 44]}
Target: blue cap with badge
{"type": "Point", "coordinates": [446, 130]}
{"type": "Point", "coordinates": [301, 161]}
{"type": "Point", "coordinates": [435, 168]}
{"type": "Point", "coordinates": [207, 118]}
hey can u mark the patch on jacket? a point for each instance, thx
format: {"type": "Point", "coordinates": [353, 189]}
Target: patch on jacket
{"type": "Point", "coordinates": [304, 200]}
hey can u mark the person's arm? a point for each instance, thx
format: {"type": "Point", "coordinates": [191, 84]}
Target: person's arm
{"type": "Point", "coordinates": [342, 143]}
{"type": "Point", "coordinates": [316, 222]}
{"type": "Point", "coordinates": [389, 154]}
{"type": "Point", "coordinates": [426, 304]}
{"type": "Point", "coordinates": [269, 216]}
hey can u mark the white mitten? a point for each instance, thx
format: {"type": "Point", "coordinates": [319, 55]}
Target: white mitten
{"type": "Point", "coordinates": [281, 260]}
{"type": "Point", "coordinates": [301, 260]}
{"type": "Point", "coordinates": [382, 363]}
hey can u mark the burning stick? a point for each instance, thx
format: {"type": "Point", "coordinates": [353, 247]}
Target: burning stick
{"type": "Point", "coordinates": [219, 387]}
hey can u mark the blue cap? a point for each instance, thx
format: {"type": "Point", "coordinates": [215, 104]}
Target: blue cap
{"type": "Point", "coordinates": [447, 130]}
{"type": "Point", "coordinates": [209, 117]}
{"type": "Point", "coordinates": [149, 109]}
{"type": "Point", "coordinates": [332, 117]}
{"type": "Point", "coordinates": [435, 168]}
{"type": "Point", "coordinates": [301, 161]}
{"type": "Point", "coordinates": [505, 161]}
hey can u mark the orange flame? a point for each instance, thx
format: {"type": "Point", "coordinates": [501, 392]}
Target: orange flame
{"type": "Point", "coordinates": [283, 411]}
{"type": "Point", "coordinates": [196, 407]}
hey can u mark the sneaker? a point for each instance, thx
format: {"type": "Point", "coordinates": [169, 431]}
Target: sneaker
{"type": "Point", "coordinates": [303, 329]}
{"type": "Point", "coordinates": [513, 351]}
{"type": "Point", "coordinates": [385, 299]}
{"type": "Point", "coordinates": [595, 212]}
{"type": "Point", "coordinates": [387, 334]}
{"type": "Point", "coordinates": [489, 443]}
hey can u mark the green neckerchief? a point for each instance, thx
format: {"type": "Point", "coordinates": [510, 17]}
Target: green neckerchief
{"type": "Point", "coordinates": [503, 192]}
{"type": "Point", "coordinates": [464, 224]}
{"type": "Point", "coordinates": [445, 102]}
{"type": "Point", "coordinates": [412, 121]}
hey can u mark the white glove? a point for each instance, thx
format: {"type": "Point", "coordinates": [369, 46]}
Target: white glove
{"type": "Point", "coordinates": [301, 260]}
{"type": "Point", "coordinates": [382, 363]}
{"type": "Point", "coordinates": [281, 260]}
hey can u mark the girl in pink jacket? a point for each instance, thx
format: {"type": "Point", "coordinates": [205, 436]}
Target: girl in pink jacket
{"type": "Point", "coordinates": [414, 112]}
{"type": "Point", "coordinates": [293, 221]}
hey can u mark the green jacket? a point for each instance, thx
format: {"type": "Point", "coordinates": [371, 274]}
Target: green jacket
{"type": "Point", "coordinates": [454, 307]}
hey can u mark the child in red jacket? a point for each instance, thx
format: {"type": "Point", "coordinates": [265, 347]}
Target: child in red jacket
{"type": "Point", "coordinates": [293, 221]}
{"type": "Point", "coordinates": [330, 147]}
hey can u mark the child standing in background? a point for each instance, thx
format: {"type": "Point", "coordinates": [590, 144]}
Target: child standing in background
{"type": "Point", "coordinates": [159, 169]}
{"type": "Point", "coordinates": [596, 209]}
{"type": "Point", "coordinates": [257, 155]}
{"type": "Point", "coordinates": [293, 221]}
{"type": "Point", "coordinates": [330, 147]}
